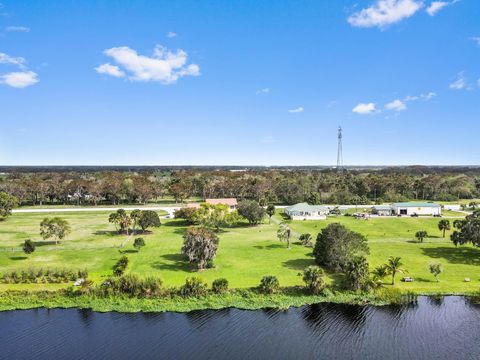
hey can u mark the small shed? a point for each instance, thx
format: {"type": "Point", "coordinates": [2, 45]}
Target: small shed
{"type": "Point", "coordinates": [383, 210]}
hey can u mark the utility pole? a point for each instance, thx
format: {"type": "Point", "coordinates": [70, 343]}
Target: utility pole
{"type": "Point", "coordinates": [340, 152]}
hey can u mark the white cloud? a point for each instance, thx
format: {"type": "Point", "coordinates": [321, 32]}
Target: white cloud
{"type": "Point", "coordinates": [459, 83]}
{"type": "Point", "coordinates": [424, 96]}
{"type": "Point", "coordinates": [296, 110]}
{"type": "Point", "coordinates": [171, 34]}
{"type": "Point", "coordinates": [476, 39]}
{"type": "Point", "coordinates": [263, 91]}
{"type": "Point", "coordinates": [19, 79]}
{"type": "Point", "coordinates": [110, 69]}
{"type": "Point", "coordinates": [384, 13]}
{"type": "Point", "coordinates": [396, 105]}
{"type": "Point", "coordinates": [436, 6]}
{"type": "Point", "coordinates": [17, 29]}
{"type": "Point", "coordinates": [364, 108]}
{"type": "Point", "coordinates": [163, 66]}
{"type": "Point", "coordinates": [17, 61]}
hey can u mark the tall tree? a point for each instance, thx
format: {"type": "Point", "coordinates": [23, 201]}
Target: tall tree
{"type": "Point", "coordinates": [148, 218]}
{"type": "Point", "coordinates": [420, 235]}
{"type": "Point", "coordinates": [56, 228]}
{"type": "Point", "coordinates": [200, 246]}
{"type": "Point", "coordinates": [270, 212]}
{"type": "Point", "coordinates": [467, 230]}
{"type": "Point", "coordinates": [7, 203]}
{"type": "Point", "coordinates": [251, 211]}
{"type": "Point", "coordinates": [336, 246]}
{"type": "Point", "coordinates": [284, 233]}
{"type": "Point", "coordinates": [393, 266]}
{"type": "Point", "coordinates": [357, 273]}
{"type": "Point", "coordinates": [444, 225]}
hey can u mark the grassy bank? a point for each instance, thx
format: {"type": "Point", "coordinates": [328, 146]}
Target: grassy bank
{"type": "Point", "coordinates": [247, 299]}
{"type": "Point", "coordinates": [245, 255]}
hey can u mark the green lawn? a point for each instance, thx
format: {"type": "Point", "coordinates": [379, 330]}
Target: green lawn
{"type": "Point", "coordinates": [245, 253]}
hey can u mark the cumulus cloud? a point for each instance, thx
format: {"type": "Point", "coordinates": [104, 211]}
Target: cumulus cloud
{"type": "Point", "coordinates": [17, 29]}
{"type": "Point", "coordinates": [110, 69]}
{"type": "Point", "coordinates": [396, 105]}
{"type": "Point", "coordinates": [459, 83]}
{"type": "Point", "coordinates": [385, 12]}
{"type": "Point", "coordinates": [262, 91]}
{"type": "Point", "coordinates": [163, 66]}
{"type": "Point", "coordinates": [19, 79]}
{"type": "Point", "coordinates": [296, 110]}
{"type": "Point", "coordinates": [171, 34]}
{"type": "Point", "coordinates": [364, 108]}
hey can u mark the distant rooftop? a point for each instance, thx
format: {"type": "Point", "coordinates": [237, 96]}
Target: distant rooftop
{"type": "Point", "coordinates": [416, 204]}
{"type": "Point", "coordinates": [304, 207]}
{"type": "Point", "coordinates": [226, 201]}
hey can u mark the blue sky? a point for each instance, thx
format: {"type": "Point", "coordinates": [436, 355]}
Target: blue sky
{"type": "Point", "coordinates": [239, 82]}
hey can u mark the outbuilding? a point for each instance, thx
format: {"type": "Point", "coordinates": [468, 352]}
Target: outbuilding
{"type": "Point", "coordinates": [304, 211]}
{"type": "Point", "coordinates": [417, 208]}
{"type": "Point", "coordinates": [383, 210]}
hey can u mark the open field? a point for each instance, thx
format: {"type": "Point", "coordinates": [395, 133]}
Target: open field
{"type": "Point", "coordinates": [245, 253]}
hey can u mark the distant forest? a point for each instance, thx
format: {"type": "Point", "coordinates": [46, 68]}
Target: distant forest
{"type": "Point", "coordinates": [280, 185]}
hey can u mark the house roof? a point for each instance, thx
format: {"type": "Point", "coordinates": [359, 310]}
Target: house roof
{"type": "Point", "coordinates": [304, 207]}
{"type": "Point", "coordinates": [415, 204]}
{"type": "Point", "coordinates": [193, 205]}
{"type": "Point", "coordinates": [226, 201]}
{"type": "Point", "coordinates": [383, 207]}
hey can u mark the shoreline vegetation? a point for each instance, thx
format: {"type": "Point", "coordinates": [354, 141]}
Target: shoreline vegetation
{"type": "Point", "coordinates": [243, 299]}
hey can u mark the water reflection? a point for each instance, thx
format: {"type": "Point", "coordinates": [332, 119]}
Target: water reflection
{"type": "Point", "coordinates": [441, 328]}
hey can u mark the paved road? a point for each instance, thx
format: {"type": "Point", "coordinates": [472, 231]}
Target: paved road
{"type": "Point", "coordinates": [169, 209]}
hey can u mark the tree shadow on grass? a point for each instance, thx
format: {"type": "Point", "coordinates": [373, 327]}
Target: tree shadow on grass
{"type": "Point", "coordinates": [459, 255]}
{"type": "Point", "coordinates": [179, 263]}
{"type": "Point", "coordinates": [298, 264]}
{"type": "Point", "coordinates": [44, 243]}
{"type": "Point", "coordinates": [419, 279]}
{"type": "Point", "coordinates": [108, 232]}
{"type": "Point", "coordinates": [18, 258]}
{"type": "Point", "coordinates": [176, 223]}
{"type": "Point", "coordinates": [128, 251]}
{"type": "Point", "coordinates": [271, 246]}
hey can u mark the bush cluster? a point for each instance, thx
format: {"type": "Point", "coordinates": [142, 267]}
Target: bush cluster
{"type": "Point", "coordinates": [120, 266]}
{"type": "Point", "coordinates": [194, 287]}
{"type": "Point", "coordinates": [269, 284]}
{"type": "Point", "coordinates": [51, 276]}
{"type": "Point", "coordinates": [220, 286]}
{"type": "Point", "coordinates": [132, 285]}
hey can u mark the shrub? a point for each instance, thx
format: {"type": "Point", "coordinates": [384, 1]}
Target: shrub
{"type": "Point", "coordinates": [435, 270]}
{"type": "Point", "coordinates": [194, 287]}
{"type": "Point", "coordinates": [306, 240]}
{"type": "Point", "coordinates": [138, 243]}
{"type": "Point", "coordinates": [269, 284]}
{"type": "Point", "coordinates": [132, 285]}
{"type": "Point", "coordinates": [120, 266]}
{"type": "Point", "coordinates": [313, 277]}
{"type": "Point", "coordinates": [28, 247]}
{"type": "Point", "coordinates": [220, 286]}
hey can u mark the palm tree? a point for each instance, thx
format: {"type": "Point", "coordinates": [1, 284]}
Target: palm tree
{"type": "Point", "coordinates": [393, 267]}
{"type": "Point", "coordinates": [444, 225]}
{"type": "Point", "coordinates": [284, 234]}
{"type": "Point", "coordinates": [380, 272]}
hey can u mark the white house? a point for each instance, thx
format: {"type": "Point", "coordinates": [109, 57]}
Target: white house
{"type": "Point", "coordinates": [304, 211]}
{"type": "Point", "coordinates": [417, 208]}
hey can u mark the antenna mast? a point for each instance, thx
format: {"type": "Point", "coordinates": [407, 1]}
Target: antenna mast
{"type": "Point", "coordinates": [340, 151]}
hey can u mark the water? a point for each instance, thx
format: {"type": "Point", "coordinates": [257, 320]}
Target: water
{"type": "Point", "coordinates": [432, 329]}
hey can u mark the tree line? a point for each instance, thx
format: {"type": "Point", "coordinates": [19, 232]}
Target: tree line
{"type": "Point", "coordinates": [280, 186]}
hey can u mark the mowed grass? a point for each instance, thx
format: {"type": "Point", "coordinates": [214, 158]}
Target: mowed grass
{"type": "Point", "coordinates": [245, 253]}
{"type": "Point", "coordinates": [396, 237]}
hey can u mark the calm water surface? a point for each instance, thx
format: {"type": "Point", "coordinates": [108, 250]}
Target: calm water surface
{"type": "Point", "coordinates": [432, 329]}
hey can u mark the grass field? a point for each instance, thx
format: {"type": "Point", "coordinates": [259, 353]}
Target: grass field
{"type": "Point", "coordinates": [245, 253]}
